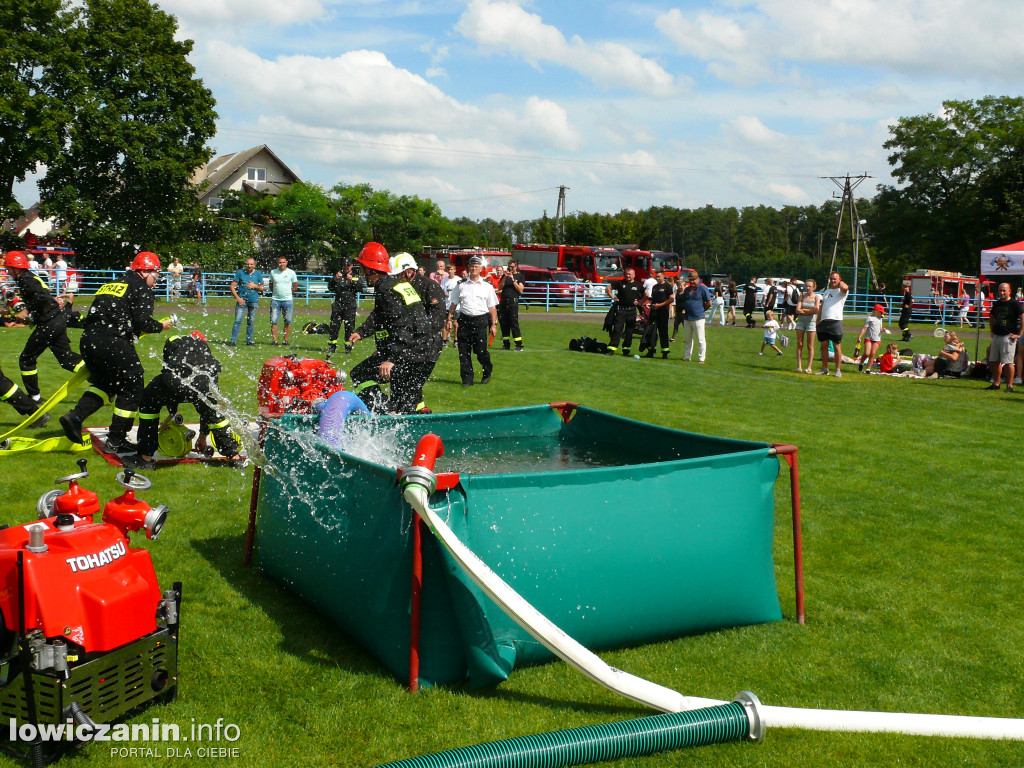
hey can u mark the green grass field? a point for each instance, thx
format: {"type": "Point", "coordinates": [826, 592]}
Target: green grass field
{"type": "Point", "coordinates": [911, 495]}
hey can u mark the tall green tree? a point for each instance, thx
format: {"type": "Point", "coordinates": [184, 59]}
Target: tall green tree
{"type": "Point", "coordinates": [303, 219]}
{"type": "Point", "coordinates": [959, 188]}
{"type": "Point", "coordinates": [140, 128]}
{"type": "Point", "coordinates": [36, 89]}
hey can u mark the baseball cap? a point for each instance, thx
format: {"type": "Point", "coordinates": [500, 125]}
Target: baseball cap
{"type": "Point", "coordinates": [880, 308]}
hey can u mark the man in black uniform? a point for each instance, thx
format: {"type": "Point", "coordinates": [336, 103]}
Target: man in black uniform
{"type": "Point", "coordinates": [401, 328]}
{"type": "Point", "coordinates": [189, 375]}
{"type": "Point", "coordinates": [510, 287]}
{"type": "Point", "coordinates": [906, 309]}
{"type": "Point", "coordinates": [50, 321]}
{"type": "Point", "coordinates": [627, 295]}
{"type": "Point", "coordinates": [121, 311]}
{"type": "Point", "coordinates": [661, 300]}
{"type": "Point", "coordinates": [346, 288]}
{"type": "Point", "coordinates": [750, 301]}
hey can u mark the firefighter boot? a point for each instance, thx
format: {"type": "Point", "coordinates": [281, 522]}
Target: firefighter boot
{"type": "Point", "coordinates": [71, 422]}
{"type": "Point", "coordinates": [25, 405]}
{"type": "Point", "coordinates": [117, 435]}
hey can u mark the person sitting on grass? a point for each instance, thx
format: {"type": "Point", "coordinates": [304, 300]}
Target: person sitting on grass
{"type": "Point", "coordinates": [771, 329]}
{"type": "Point", "coordinates": [887, 363]}
{"type": "Point", "coordinates": [951, 360]}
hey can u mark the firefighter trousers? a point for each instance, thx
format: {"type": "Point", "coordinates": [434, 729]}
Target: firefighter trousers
{"type": "Point", "coordinates": [473, 341]}
{"type": "Point", "coordinates": [165, 391]}
{"type": "Point", "coordinates": [407, 380]}
{"type": "Point", "coordinates": [508, 321]}
{"type": "Point", "coordinates": [52, 335]}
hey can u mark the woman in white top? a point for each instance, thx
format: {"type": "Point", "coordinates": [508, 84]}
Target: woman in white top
{"type": "Point", "coordinates": [806, 325]}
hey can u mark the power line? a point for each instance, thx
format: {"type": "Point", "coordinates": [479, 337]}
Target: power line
{"type": "Point", "coordinates": [496, 197]}
{"type": "Point", "coordinates": [412, 149]}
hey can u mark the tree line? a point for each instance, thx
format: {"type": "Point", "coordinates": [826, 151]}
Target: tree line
{"type": "Point", "coordinates": [99, 97]}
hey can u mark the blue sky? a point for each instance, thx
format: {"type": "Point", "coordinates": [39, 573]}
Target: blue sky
{"type": "Point", "coordinates": [487, 106]}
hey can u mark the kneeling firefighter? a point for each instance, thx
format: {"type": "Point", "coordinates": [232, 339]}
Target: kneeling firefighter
{"type": "Point", "coordinates": [401, 328]}
{"type": "Point", "coordinates": [189, 375]}
{"type": "Point", "coordinates": [121, 312]}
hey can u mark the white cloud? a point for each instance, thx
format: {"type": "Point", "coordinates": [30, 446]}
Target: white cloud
{"type": "Point", "coordinates": [505, 27]}
{"type": "Point", "coordinates": [199, 14]}
{"type": "Point", "coordinates": [973, 38]}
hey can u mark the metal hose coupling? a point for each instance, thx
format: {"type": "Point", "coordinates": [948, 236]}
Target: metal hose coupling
{"type": "Point", "coordinates": [420, 476]}
{"type": "Point", "coordinates": [752, 709]}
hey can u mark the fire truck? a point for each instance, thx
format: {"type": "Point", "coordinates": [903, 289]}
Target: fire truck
{"type": "Point", "coordinates": [646, 263]}
{"type": "Point", "coordinates": [936, 291]}
{"type": "Point", "coordinates": [592, 264]}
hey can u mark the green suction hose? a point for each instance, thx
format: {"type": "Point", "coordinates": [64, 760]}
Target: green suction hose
{"type": "Point", "coordinates": [610, 741]}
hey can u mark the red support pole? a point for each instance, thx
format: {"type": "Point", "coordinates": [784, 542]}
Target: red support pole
{"type": "Point", "coordinates": [789, 452]}
{"type": "Point", "coordinates": [415, 600]}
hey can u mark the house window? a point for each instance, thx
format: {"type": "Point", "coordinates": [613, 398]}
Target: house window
{"type": "Point", "coordinates": [256, 174]}
{"type": "Point", "coordinates": [216, 202]}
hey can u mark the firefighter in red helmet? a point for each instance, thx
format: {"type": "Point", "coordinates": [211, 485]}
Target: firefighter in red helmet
{"type": "Point", "coordinates": [121, 312]}
{"type": "Point", "coordinates": [401, 328]}
{"type": "Point", "coordinates": [51, 324]}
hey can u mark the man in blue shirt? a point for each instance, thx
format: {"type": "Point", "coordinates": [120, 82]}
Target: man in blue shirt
{"type": "Point", "coordinates": [246, 286]}
{"type": "Point", "coordinates": [696, 300]}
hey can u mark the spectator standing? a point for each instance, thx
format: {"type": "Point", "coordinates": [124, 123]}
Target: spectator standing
{"type": "Point", "coordinates": [677, 297]}
{"type": "Point", "coordinates": [195, 286]}
{"type": "Point", "coordinates": [439, 274]}
{"type": "Point", "coordinates": [450, 327]}
{"type": "Point", "coordinates": [733, 294]}
{"type": "Point", "coordinates": [791, 299]}
{"type": "Point", "coordinates": [246, 286]}
{"type": "Point", "coordinates": [346, 288]}
{"type": "Point", "coordinates": [906, 310]}
{"type": "Point", "coordinates": [750, 301]}
{"type": "Point", "coordinates": [60, 270]}
{"type": "Point", "coordinates": [661, 301]}
{"type": "Point", "coordinates": [696, 300]}
{"type": "Point", "coordinates": [48, 266]}
{"type": "Point", "coordinates": [771, 296]}
{"type": "Point", "coordinates": [807, 325]}
{"type": "Point", "coordinates": [1004, 321]}
{"type": "Point", "coordinates": [717, 303]}
{"type": "Point", "coordinates": [475, 302]}
{"type": "Point", "coordinates": [510, 287]}
{"type": "Point", "coordinates": [174, 271]}
{"type": "Point", "coordinates": [830, 322]}
{"type": "Point", "coordinates": [283, 282]}
{"type": "Point", "coordinates": [627, 295]}
{"type": "Point", "coordinates": [965, 308]}
{"type": "Point", "coordinates": [649, 283]}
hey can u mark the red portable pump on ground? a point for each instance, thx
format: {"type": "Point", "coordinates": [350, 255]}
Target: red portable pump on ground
{"type": "Point", "coordinates": [294, 384]}
{"type": "Point", "coordinates": [86, 634]}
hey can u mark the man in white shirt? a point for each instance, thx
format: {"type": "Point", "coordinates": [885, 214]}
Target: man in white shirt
{"type": "Point", "coordinates": [175, 270]}
{"type": "Point", "coordinates": [475, 302]}
{"type": "Point", "coordinates": [830, 322]}
{"type": "Point", "coordinates": [60, 268]}
{"type": "Point", "coordinates": [284, 283]}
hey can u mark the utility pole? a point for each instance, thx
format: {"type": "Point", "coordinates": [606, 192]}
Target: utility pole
{"type": "Point", "coordinates": [849, 204]}
{"type": "Point", "coordinates": [560, 213]}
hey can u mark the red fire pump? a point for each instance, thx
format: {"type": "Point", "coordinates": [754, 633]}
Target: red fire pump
{"type": "Point", "coordinates": [294, 384]}
{"type": "Point", "coordinates": [86, 634]}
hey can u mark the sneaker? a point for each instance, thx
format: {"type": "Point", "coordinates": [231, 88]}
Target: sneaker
{"type": "Point", "coordinates": [1009, 388]}
{"type": "Point", "coordinates": [839, 374]}
{"type": "Point", "coordinates": [991, 387]}
{"type": "Point", "coordinates": [250, 343]}
{"type": "Point", "coordinates": [123, 446]}
{"type": "Point", "coordinates": [761, 353]}
{"type": "Point", "coordinates": [1017, 380]}
{"type": "Point", "coordinates": [72, 427]}
{"type": "Point", "coordinates": [39, 398]}
{"type": "Point", "coordinates": [778, 354]}
{"type": "Point", "coordinates": [137, 461]}
{"type": "Point", "coordinates": [231, 343]}
{"type": "Point", "coordinates": [41, 421]}
{"type": "Point", "coordinates": [485, 378]}
{"type": "Point", "coordinates": [821, 373]}
{"type": "Point", "coordinates": [506, 347]}
{"type": "Point", "coordinates": [468, 383]}
{"type": "Point", "coordinates": [519, 348]}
